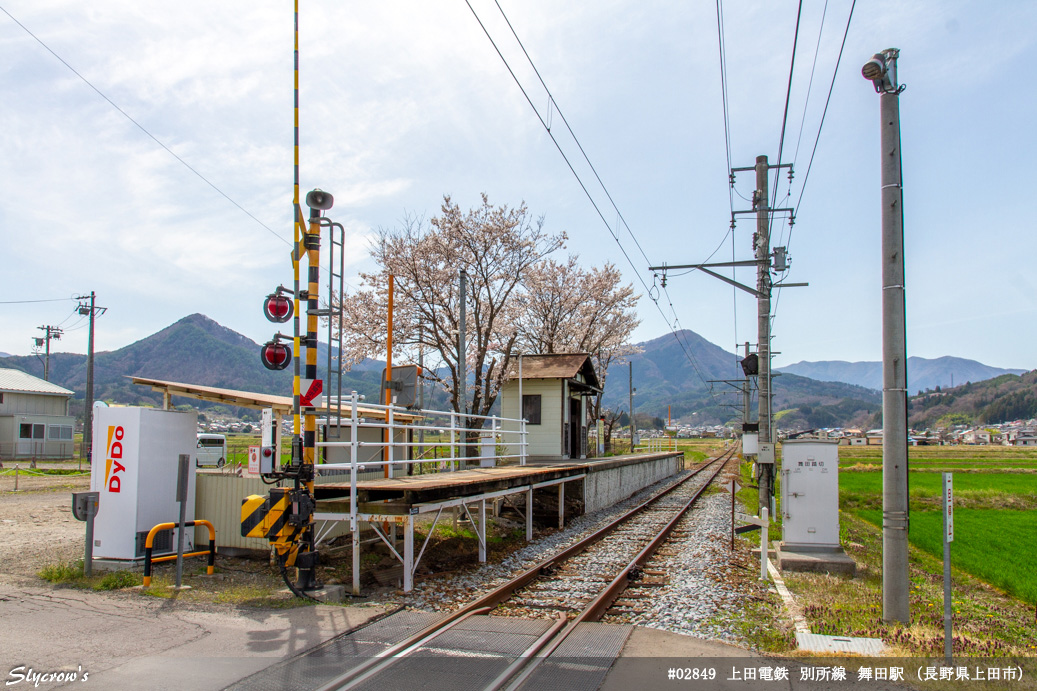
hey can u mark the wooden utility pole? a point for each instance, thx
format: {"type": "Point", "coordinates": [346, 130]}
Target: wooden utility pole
{"type": "Point", "coordinates": [633, 427]}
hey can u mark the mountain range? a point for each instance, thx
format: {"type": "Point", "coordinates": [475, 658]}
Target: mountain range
{"type": "Point", "coordinates": [682, 374]}
{"type": "Point", "coordinates": [922, 373]}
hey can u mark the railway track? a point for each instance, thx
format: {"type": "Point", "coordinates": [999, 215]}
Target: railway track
{"type": "Point", "coordinates": [575, 586]}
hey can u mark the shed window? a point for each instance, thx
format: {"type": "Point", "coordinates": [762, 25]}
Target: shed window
{"type": "Point", "coordinates": [531, 408]}
{"type": "Point", "coordinates": [61, 432]}
{"type": "Point", "coordinates": [30, 431]}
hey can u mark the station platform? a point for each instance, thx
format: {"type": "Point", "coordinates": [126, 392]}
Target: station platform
{"type": "Point", "coordinates": [384, 505]}
{"type": "Point", "coordinates": [400, 495]}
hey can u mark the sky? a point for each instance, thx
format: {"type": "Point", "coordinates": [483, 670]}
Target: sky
{"type": "Point", "coordinates": [171, 193]}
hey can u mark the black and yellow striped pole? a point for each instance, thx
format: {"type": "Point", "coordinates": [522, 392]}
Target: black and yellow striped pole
{"type": "Point", "coordinates": [296, 256]}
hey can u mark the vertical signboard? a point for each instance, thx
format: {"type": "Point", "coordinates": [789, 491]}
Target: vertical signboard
{"type": "Point", "coordinates": [948, 506]}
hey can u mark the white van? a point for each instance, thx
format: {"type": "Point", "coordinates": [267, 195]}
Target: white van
{"type": "Point", "coordinates": [212, 451]}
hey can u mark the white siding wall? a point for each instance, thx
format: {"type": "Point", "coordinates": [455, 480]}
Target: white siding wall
{"type": "Point", "coordinates": [33, 404]}
{"type": "Point", "coordinates": [545, 439]}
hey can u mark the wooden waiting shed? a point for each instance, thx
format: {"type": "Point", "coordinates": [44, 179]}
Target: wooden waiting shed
{"type": "Point", "coordinates": [555, 388]}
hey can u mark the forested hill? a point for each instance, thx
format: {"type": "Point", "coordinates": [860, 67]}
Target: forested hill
{"type": "Point", "coordinates": [194, 350]}
{"type": "Point", "coordinates": [1002, 399]}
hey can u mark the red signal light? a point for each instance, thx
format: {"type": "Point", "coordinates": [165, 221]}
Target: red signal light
{"type": "Point", "coordinates": [278, 308]}
{"type": "Point", "coordinates": [275, 355]}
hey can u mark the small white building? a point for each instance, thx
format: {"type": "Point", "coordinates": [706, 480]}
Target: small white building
{"type": "Point", "coordinates": [34, 419]}
{"type": "Point", "coordinates": [554, 404]}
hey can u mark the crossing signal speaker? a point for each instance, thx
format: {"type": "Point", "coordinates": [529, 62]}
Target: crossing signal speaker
{"type": "Point", "coordinates": [275, 355]}
{"type": "Point", "coordinates": [319, 200]}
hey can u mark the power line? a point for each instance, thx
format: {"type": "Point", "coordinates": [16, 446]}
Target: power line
{"type": "Point", "coordinates": [727, 142]}
{"type": "Point", "coordinates": [572, 169]}
{"type": "Point", "coordinates": [788, 94]}
{"type": "Point", "coordinates": [810, 83]}
{"type": "Point", "coordinates": [144, 129]}
{"type": "Point", "coordinates": [30, 302]}
{"type": "Point", "coordinates": [552, 101]}
{"type": "Point", "coordinates": [810, 163]}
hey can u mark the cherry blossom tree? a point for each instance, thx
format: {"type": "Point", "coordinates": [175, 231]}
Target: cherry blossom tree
{"type": "Point", "coordinates": [568, 309]}
{"type": "Point", "coordinates": [517, 299]}
{"type": "Point", "coordinates": [496, 246]}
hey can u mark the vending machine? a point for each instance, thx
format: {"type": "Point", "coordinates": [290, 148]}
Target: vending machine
{"type": "Point", "coordinates": [135, 458]}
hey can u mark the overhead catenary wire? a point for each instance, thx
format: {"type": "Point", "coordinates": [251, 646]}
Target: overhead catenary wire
{"type": "Point", "coordinates": [817, 138]}
{"type": "Point", "coordinates": [727, 146]}
{"type": "Point", "coordinates": [788, 94]}
{"type": "Point", "coordinates": [554, 103]}
{"type": "Point", "coordinates": [547, 127]}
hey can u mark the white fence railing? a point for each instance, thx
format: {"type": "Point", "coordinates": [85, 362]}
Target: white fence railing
{"type": "Point", "coordinates": [659, 444]}
{"type": "Point", "coordinates": [491, 436]}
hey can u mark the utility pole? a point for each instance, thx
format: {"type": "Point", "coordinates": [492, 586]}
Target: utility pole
{"type": "Point", "coordinates": [882, 71]}
{"type": "Point", "coordinates": [763, 322]}
{"type": "Point", "coordinates": [762, 293]}
{"type": "Point", "coordinates": [633, 427]}
{"type": "Point", "coordinates": [88, 414]}
{"type": "Point", "coordinates": [52, 332]}
{"type": "Point", "coordinates": [462, 374]}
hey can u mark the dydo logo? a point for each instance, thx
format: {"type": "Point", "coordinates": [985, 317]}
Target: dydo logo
{"type": "Point", "coordinates": [112, 458]}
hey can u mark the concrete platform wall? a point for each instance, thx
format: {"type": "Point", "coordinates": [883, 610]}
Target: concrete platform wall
{"type": "Point", "coordinates": [612, 483]}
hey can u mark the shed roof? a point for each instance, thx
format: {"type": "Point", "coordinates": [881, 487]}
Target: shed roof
{"type": "Point", "coordinates": [557, 366]}
{"type": "Point", "coordinates": [16, 381]}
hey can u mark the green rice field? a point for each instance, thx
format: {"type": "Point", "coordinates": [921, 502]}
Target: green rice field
{"type": "Point", "coordinates": [996, 545]}
{"type": "Point", "coordinates": [995, 507]}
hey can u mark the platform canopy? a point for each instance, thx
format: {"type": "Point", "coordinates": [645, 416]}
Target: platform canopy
{"type": "Point", "coordinates": [281, 405]}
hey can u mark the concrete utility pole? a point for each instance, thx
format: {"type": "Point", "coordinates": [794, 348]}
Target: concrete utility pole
{"type": "Point", "coordinates": [462, 374]}
{"type": "Point", "coordinates": [763, 321]}
{"type": "Point", "coordinates": [881, 70]}
{"type": "Point", "coordinates": [88, 414]}
{"type": "Point", "coordinates": [53, 332]}
{"type": "Point", "coordinates": [633, 427]}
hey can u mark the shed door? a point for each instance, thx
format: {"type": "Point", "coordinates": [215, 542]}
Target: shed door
{"type": "Point", "coordinates": [575, 428]}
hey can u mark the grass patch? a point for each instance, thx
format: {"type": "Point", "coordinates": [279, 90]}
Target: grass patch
{"type": "Point", "coordinates": [62, 573]}
{"type": "Point", "coordinates": [986, 622]}
{"type": "Point", "coordinates": [71, 574]}
{"type": "Point", "coordinates": [997, 546]}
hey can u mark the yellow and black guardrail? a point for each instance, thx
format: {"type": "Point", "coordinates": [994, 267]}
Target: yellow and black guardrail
{"type": "Point", "coordinates": [149, 542]}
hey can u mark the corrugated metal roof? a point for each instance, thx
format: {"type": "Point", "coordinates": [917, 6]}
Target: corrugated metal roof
{"type": "Point", "coordinates": [16, 381]}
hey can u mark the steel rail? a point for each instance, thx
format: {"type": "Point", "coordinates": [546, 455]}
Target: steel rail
{"type": "Point", "coordinates": [488, 602]}
{"type": "Point", "coordinates": [600, 604]}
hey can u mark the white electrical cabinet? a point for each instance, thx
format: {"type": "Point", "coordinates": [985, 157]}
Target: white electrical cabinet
{"type": "Point", "coordinates": [810, 493]}
{"type": "Point", "coordinates": [750, 443]}
{"type": "Point", "coordinates": [134, 463]}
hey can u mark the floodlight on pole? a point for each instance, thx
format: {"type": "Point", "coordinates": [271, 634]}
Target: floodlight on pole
{"type": "Point", "coordinates": [881, 71]}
